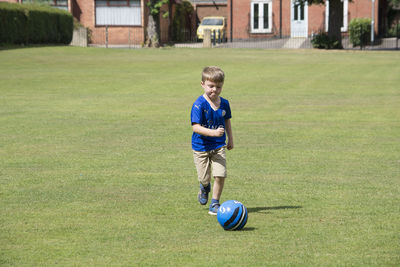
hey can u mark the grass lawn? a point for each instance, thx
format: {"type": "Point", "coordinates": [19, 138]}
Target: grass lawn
{"type": "Point", "coordinates": [96, 166]}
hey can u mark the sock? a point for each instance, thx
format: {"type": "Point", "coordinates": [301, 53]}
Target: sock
{"type": "Point", "coordinates": [206, 188]}
{"type": "Point", "coordinates": [214, 201]}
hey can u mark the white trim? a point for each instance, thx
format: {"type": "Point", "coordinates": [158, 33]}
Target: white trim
{"type": "Point", "coordinates": [345, 15]}
{"type": "Point", "coordinates": [344, 28]}
{"type": "Point", "coordinates": [294, 32]}
{"type": "Point", "coordinates": [261, 16]}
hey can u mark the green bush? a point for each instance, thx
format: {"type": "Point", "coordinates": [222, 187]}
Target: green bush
{"type": "Point", "coordinates": [13, 21]}
{"type": "Point", "coordinates": [394, 31]}
{"type": "Point", "coordinates": [360, 31]}
{"type": "Point", "coordinates": [34, 24]}
{"type": "Point", "coordinates": [323, 41]}
{"type": "Point", "coordinates": [181, 25]}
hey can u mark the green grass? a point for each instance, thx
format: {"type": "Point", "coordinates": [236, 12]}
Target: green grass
{"type": "Point", "coordinates": [96, 165]}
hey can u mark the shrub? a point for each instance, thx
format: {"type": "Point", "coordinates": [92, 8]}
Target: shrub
{"type": "Point", "coordinates": [394, 31]}
{"type": "Point", "coordinates": [181, 24]}
{"type": "Point", "coordinates": [34, 24]}
{"type": "Point", "coordinates": [323, 41]}
{"type": "Point", "coordinates": [360, 31]}
{"type": "Point", "coordinates": [13, 21]}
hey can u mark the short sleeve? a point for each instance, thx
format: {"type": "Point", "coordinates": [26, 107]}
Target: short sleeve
{"type": "Point", "coordinates": [227, 108]}
{"type": "Point", "coordinates": [195, 114]}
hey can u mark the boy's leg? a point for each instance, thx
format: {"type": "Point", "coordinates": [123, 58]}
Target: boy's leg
{"type": "Point", "coordinates": [203, 166]}
{"type": "Point", "coordinates": [218, 187]}
{"type": "Point", "coordinates": [216, 195]}
{"type": "Point", "coordinates": [219, 171]}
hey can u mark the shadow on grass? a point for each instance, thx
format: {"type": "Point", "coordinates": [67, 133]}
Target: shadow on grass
{"type": "Point", "coordinates": [248, 229]}
{"type": "Point", "coordinates": [260, 209]}
{"type": "Point", "coordinates": [16, 46]}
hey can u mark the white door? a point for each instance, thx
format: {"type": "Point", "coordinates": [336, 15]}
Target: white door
{"type": "Point", "coordinates": [299, 19]}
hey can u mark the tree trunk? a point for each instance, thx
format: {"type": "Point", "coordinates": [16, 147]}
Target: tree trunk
{"type": "Point", "coordinates": [170, 3]}
{"type": "Point", "coordinates": [335, 20]}
{"type": "Point", "coordinates": [153, 36]}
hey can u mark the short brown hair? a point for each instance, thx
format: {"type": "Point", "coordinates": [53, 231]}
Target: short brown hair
{"type": "Point", "coordinates": [213, 74]}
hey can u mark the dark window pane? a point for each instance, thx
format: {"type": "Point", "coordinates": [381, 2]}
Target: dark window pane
{"type": "Point", "coordinates": [255, 18]}
{"type": "Point", "coordinates": [266, 14]}
{"type": "Point", "coordinates": [301, 11]}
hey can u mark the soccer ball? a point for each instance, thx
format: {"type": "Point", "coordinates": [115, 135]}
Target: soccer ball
{"type": "Point", "coordinates": [232, 215]}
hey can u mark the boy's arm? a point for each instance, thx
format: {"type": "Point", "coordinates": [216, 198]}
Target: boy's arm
{"type": "Point", "coordinates": [197, 128]}
{"type": "Point", "coordinates": [228, 127]}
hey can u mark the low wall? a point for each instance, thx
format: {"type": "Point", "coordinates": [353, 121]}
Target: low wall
{"type": "Point", "coordinates": [79, 37]}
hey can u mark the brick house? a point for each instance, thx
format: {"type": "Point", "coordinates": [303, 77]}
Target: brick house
{"type": "Point", "coordinates": [267, 18]}
{"type": "Point", "coordinates": [126, 20]}
{"type": "Point", "coordinates": [204, 8]}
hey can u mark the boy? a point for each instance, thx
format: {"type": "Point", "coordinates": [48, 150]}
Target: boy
{"type": "Point", "coordinates": [210, 117]}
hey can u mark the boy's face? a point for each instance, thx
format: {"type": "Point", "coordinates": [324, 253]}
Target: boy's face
{"type": "Point", "coordinates": [212, 89]}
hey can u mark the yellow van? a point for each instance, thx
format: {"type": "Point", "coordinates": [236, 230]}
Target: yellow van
{"type": "Point", "coordinates": [215, 24]}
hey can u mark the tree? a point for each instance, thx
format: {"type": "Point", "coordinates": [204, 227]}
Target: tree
{"type": "Point", "coordinates": [153, 25]}
{"type": "Point", "coordinates": [395, 30]}
{"type": "Point", "coordinates": [394, 2]}
{"type": "Point", "coordinates": [335, 18]}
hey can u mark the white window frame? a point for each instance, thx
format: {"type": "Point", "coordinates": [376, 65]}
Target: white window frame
{"type": "Point", "coordinates": [260, 3]}
{"type": "Point", "coordinates": [128, 13]}
{"type": "Point", "coordinates": [52, 3]}
{"type": "Point", "coordinates": [344, 27]}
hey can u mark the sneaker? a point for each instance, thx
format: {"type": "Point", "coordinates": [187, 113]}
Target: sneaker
{"type": "Point", "coordinates": [214, 209]}
{"type": "Point", "coordinates": [203, 194]}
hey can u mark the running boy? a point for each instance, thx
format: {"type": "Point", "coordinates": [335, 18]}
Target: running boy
{"type": "Point", "coordinates": [210, 117]}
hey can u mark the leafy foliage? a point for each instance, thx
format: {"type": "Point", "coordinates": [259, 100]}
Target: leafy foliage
{"type": "Point", "coordinates": [180, 27]}
{"type": "Point", "coordinates": [360, 31]}
{"type": "Point", "coordinates": [155, 6]}
{"type": "Point", "coordinates": [394, 31]}
{"type": "Point", "coordinates": [34, 24]}
{"type": "Point", "coordinates": [324, 41]}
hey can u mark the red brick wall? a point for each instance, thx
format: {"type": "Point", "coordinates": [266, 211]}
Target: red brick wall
{"type": "Point", "coordinates": [211, 10]}
{"type": "Point", "coordinates": [241, 19]}
{"type": "Point", "coordinates": [84, 11]}
{"type": "Point", "coordinates": [363, 9]}
{"type": "Point", "coordinates": [164, 25]}
{"type": "Point", "coordinates": [316, 17]}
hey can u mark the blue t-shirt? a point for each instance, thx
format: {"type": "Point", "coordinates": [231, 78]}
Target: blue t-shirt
{"type": "Point", "coordinates": [203, 114]}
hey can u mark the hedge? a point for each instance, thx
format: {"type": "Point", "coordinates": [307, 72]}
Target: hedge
{"type": "Point", "coordinates": [360, 31]}
{"type": "Point", "coordinates": [34, 24]}
{"type": "Point", "coordinates": [323, 41]}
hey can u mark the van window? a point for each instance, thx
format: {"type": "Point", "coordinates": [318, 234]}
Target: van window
{"type": "Point", "coordinates": [216, 22]}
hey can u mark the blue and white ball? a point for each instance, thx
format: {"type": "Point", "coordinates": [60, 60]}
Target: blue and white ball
{"type": "Point", "coordinates": [232, 215]}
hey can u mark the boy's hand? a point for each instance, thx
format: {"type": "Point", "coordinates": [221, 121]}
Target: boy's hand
{"type": "Point", "coordinates": [219, 132]}
{"type": "Point", "coordinates": [229, 146]}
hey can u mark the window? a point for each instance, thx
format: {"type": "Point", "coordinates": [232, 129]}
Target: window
{"type": "Point", "coordinates": [118, 12]}
{"type": "Point", "coordinates": [61, 4]}
{"type": "Point", "coordinates": [261, 16]}
{"type": "Point", "coordinates": [298, 12]}
{"type": "Point", "coordinates": [345, 6]}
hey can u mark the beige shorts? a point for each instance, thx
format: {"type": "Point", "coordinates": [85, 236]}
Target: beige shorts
{"type": "Point", "coordinates": [214, 160]}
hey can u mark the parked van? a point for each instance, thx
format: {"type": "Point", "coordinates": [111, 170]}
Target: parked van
{"type": "Point", "coordinates": [217, 25]}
